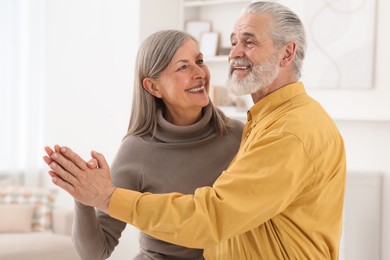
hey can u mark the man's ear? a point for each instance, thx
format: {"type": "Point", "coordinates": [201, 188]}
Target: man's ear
{"type": "Point", "coordinates": [151, 87]}
{"type": "Point", "coordinates": [288, 54]}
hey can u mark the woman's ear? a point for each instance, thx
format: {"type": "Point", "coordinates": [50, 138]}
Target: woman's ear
{"type": "Point", "coordinates": [288, 54]}
{"type": "Point", "coordinates": [151, 87]}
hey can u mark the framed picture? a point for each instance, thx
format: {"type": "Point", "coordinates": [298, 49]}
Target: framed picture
{"type": "Point", "coordinates": [196, 28]}
{"type": "Point", "coordinates": [209, 43]}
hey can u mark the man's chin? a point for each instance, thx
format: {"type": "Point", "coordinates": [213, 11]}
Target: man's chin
{"type": "Point", "coordinates": [238, 89]}
{"type": "Point", "coordinates": [239, 75]}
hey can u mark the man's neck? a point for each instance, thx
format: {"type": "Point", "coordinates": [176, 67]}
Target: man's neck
{"type": "Point", "coordinates": [266, 90]}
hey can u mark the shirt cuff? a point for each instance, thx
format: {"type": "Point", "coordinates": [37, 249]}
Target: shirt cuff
{"type": "Point", "coordinates": [122, 203]}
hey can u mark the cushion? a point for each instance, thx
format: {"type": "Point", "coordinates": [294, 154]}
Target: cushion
{"type": "Point", "coordinates": [16, 218]}
{"type": "Point", "coordinates": [43, 199]}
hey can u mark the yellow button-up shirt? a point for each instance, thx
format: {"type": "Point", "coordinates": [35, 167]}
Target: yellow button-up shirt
{"type": "Point", "coordinates": [280, 198]}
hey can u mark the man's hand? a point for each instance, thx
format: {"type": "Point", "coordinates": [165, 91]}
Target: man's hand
{"type": "Point", "coordinates": [87, 184]}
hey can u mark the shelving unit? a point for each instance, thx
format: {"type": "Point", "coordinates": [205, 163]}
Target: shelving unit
{"type": "Point", "coordinates": [222, 14]}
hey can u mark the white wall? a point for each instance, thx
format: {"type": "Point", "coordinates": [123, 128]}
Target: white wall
{"type": "Point", "coordinates": [91, 48]}
{"type": "Point", "coordinates": [158, 15]}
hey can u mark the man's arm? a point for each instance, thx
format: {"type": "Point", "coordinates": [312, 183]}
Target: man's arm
{"type": "Point", "coordinates": [259, 184]}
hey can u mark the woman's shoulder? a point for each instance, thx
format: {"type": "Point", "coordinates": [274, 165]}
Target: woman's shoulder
{"type": "Point", "coordinates": [235, 123]}
{"type": "Point", "coordinates": [132, 147]}
{"type": "Point", "coordinates": [132, 150]}
{"type": "Point", "coordinates": [236, 127]}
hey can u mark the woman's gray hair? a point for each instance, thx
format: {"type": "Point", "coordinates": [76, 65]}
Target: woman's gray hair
{"type": "Point", "coordinates": [154, 55]}
{"type": "Point", "coordinates": [286, 27]}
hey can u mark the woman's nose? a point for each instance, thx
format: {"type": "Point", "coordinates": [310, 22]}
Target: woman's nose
{"type": "Point", "coordinates": [199, 73]}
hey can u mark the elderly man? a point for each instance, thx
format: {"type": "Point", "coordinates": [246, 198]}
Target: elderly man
{"type": "Point", "coordinates": [282, 195]}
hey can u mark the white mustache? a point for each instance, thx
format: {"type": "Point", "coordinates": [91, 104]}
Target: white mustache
{"type": "Point", "coordinates": [240, 62]}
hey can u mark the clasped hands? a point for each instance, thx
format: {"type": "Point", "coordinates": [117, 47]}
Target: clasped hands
{"type": "Point", "coordinates": [87, 182]}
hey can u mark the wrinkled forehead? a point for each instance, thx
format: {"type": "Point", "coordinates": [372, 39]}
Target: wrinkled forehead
{"type": "Point", "coordinates": [188, 51]}
{"type": "Point", "coordinates": [251, 23]}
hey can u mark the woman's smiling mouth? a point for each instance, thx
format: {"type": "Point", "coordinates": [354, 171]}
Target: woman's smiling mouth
{"type": "Point", "coordinates": [196, 90]}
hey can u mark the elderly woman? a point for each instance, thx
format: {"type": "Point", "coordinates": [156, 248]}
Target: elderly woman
{"type": "Point", "coordinates": [177, 141]}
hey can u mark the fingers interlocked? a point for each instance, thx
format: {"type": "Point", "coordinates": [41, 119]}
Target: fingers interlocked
{"type": "Point", "coordinates": [91, 186]}
{"type": "Point", "coordinates": [65, 164]}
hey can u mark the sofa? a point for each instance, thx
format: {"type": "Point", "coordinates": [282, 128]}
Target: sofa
{"type": "Point", "coordinates": [31, 227]}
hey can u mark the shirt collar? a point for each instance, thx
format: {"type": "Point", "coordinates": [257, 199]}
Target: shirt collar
{"type": "Point", "coordinates": [273, 100]}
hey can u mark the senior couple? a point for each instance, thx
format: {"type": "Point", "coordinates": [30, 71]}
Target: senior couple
{"type": "Point", "coordinates": [199, 185]}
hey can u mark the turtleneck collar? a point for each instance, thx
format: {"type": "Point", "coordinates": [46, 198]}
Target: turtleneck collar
{"type": "Point", "coordinates": [169, 133]}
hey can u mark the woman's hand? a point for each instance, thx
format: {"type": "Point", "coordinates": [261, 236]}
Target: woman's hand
{"type": "Point", "coordinates": [87, 184]}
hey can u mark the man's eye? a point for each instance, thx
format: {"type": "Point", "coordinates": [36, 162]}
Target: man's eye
{"type": "Point", "coordinates": [233, 44]}
{"type": "Point", "coordinates": [200, 61]}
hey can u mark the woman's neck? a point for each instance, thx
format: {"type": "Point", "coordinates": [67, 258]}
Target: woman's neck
{"type": "Point", "coordinates": [183, 119]}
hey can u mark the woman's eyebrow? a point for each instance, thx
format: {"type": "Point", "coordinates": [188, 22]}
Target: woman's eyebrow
{"type": "Point", "coordinates": [182, 60]}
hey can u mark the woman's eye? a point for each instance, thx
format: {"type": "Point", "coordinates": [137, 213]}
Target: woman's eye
{"type": "Point", "coordinates": [183, 67]}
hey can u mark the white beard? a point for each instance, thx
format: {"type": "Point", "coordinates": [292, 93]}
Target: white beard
{"type": "Point", "coordinates": [260, 75]}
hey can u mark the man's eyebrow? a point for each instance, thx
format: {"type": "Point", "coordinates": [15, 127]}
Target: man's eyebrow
{"type": "Point", "coordinates": [244, 34]}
